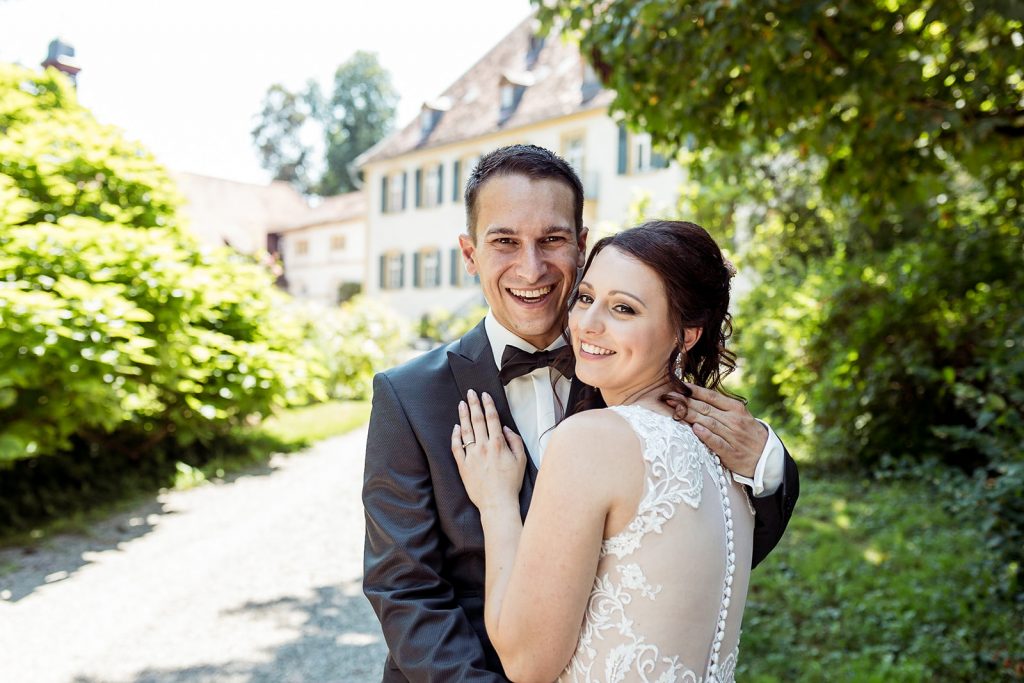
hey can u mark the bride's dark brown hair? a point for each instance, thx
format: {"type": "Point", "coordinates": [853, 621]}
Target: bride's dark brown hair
{"type": "Point", "coordinates": [697, 278]}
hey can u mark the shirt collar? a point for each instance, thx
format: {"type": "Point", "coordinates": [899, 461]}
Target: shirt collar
{"type": "Point", "coordinates": [499, 336]}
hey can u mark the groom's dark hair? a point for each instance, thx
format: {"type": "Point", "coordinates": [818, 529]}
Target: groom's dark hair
{"type": "Point", "coordinates": [536, 163]}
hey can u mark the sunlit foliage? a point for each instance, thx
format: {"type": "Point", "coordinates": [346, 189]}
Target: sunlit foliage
{"type": "Point", "coordinates": [116, 328]}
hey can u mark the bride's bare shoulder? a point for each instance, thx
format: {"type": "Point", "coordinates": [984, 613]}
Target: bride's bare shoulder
{"type": "Point", "coordinates": [594, 433]}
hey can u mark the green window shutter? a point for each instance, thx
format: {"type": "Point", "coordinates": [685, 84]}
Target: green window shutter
{"type": "Point", "coordinates": [417, 276]}
{"type": "Point", "coordinates": [384, 194]}
{"type": "Point", "coordinates": [440, 184]}
{"type": "Point", "coordinates": [405, 183]}
{"type": "Point", "coordinates": [419, 188]}
{"type": "Point", "coordinates": [658, 160]}
{"type": "Point", "coordinates": [456, 181]}
{"type": "Point", "coordinates": [454, 269]}
{"type": "Point", "coordinates": [401, 272]}
{"type": "Point", "coordinates": [623, 149]}
{"type": "Point", "coordinates": [383, 271]}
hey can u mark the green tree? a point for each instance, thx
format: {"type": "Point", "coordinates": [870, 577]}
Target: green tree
{"type": "Point", "coordinates": [871, 154]}
{"type": "Point", "coordinates": [357, 114]}
{"type": "Point", "coordinates": [875, 152]}
{"type": "Point", "coordinates": [278, 136]}
{"type": "Point", "coordinates": [888, 93]}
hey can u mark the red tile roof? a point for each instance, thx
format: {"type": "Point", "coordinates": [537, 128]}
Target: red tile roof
{"type": "Point", "coordinates": [342, 207]}
{"type": "Point", "coordinates": [223, 211]}
{"type": "Point", "coordinates": [557, 90]}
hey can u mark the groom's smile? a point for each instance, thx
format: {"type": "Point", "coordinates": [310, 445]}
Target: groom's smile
{"type": "Point", "coordinates": [532, 296]}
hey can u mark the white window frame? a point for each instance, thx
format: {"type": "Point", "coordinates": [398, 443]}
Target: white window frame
{"type": "Point", "coordinates": [430, 268]}
{"type": "Point", "coordinates": [393, 270]}
{"type": "Point", "coordinates": [396, 190]}
{"type": "Point", "coordinates": [431, 181]}
{"type": "Point", "coordinates": [574, 150]}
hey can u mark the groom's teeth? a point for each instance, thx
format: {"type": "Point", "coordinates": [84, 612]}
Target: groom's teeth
{"type": "Point", "coordinates": [532, 293]}
{"type": "Point", "coordinates": [595, 350]}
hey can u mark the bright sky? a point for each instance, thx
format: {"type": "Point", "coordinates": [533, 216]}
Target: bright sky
{"type": "Point", "coordinates": [187, 77]}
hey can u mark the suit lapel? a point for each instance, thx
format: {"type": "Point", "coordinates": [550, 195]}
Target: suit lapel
{"type": "Point", "coordinates": [472, 362]}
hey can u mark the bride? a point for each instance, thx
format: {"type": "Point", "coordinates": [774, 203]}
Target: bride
{"type": "Point", "coordinates": [634, 561]}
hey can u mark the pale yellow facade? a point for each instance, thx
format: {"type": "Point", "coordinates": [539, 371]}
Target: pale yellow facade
{"type": "Point", "coordinates": [318, 259]}
{"type": "Point", "coordinates": [413, 264]}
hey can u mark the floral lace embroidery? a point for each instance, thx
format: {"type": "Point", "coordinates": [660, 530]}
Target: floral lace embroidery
{"type": "Point", "coordinates": [670, 481]}
{"type": "Point", "coordinates": [675, 464]}
{"type": "Point", "coordinates": [727, 669]}
{"type": "Point", "coordinates": [633, 578]}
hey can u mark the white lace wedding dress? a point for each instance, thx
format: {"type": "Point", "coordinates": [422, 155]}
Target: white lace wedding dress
{"type": "Point", "coordinates": [668, 598]}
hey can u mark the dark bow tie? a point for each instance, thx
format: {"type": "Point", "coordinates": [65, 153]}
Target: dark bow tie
{"type": "Point", "coordinates": [515, 362]}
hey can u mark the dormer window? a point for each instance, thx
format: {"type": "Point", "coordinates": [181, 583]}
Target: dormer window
{"type": "Point", "coordinates": [428, 119]}
{"type": "Point", "coordinates": [533, 51]}
{"type": "Point", "coordinates": [508, 96]}
{"type": "Point", "coordinates": [513, 85]}
{"type": "Point", "coordinates": [432, 113]}
{"type": "Point", "coordinates": [591, 83]}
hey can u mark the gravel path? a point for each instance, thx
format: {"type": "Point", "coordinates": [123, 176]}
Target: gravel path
{"type": "Point", "coordinates": [255, 580]}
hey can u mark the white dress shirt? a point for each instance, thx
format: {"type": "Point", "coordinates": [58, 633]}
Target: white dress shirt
{"type": "Point", "coordinates": [531, 399]}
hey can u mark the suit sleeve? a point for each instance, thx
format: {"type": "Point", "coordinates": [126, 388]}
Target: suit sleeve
{"type": "Point", "coordinates": [428, 634]}
{"type": "Point", "coordinates": [773, 512]}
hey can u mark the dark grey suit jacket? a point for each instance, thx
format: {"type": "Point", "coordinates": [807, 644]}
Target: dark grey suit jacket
{"type": "Point", "coordinates": [424, 553]}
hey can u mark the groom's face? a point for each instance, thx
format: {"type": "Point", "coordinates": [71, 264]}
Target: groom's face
{"type": "Point", "coordinates": [526, 250]}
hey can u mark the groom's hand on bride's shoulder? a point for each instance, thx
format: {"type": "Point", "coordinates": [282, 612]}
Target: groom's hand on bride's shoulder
{"type": "Point", "coordinates": [724, 425]}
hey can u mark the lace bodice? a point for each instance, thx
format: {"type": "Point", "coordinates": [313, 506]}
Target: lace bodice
{"type": "Point", "coordinates": [668, 597]}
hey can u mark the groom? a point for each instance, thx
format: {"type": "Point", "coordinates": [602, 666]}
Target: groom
{"type": "Point", "coordinates": [424, 563]}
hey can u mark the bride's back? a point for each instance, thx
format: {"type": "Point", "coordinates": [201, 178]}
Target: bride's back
{"type": "Point", "coordinates": [670, 588]}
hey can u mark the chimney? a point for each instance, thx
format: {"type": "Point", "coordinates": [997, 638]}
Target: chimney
{"type": "Point", "coordinates": [61, 56]}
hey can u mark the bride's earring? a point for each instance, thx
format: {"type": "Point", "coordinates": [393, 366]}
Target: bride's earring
{"type": "Point", "coordinates": [677, 367]}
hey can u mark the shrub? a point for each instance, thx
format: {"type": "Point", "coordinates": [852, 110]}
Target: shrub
{"type": "Point", "coordinates": [107, 328]}
{"type": "Point", "coordinates": [443, 326]}
{"type": "Point", "coordinates": [125, 347]}
{"type": "Point", "coordinates": [116, 328]}
{"type": "Point", "coordinates": [353, 342]}
{"type": "Point", "coordinates": [347, 290]}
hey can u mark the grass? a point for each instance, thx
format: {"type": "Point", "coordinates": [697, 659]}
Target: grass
{"type": "Point", "coordinates": [874, 581]}
{"type": "Point", "coordinates": [310, 424]}
{"type": "Point", "coordinates": [289, 430]}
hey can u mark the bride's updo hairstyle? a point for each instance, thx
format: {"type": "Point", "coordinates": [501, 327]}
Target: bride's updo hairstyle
{"type": "Point", "coordinates": [696, 278]}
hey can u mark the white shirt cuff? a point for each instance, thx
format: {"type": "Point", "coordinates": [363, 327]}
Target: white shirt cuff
{"type": "Point", "coordinates": [770, 467]}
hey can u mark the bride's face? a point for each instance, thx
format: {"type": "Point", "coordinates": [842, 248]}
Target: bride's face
{"type": "Point", "coordinates": [621, 328]}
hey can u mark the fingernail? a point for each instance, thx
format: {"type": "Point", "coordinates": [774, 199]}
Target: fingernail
{"type": "Point", "coordinates": [472, 393]}
{"type": "Point", "coordinates": [486, 396]}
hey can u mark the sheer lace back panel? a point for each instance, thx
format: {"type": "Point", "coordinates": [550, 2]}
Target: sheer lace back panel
{"type": "Point", "coordinates": [668, 597]}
